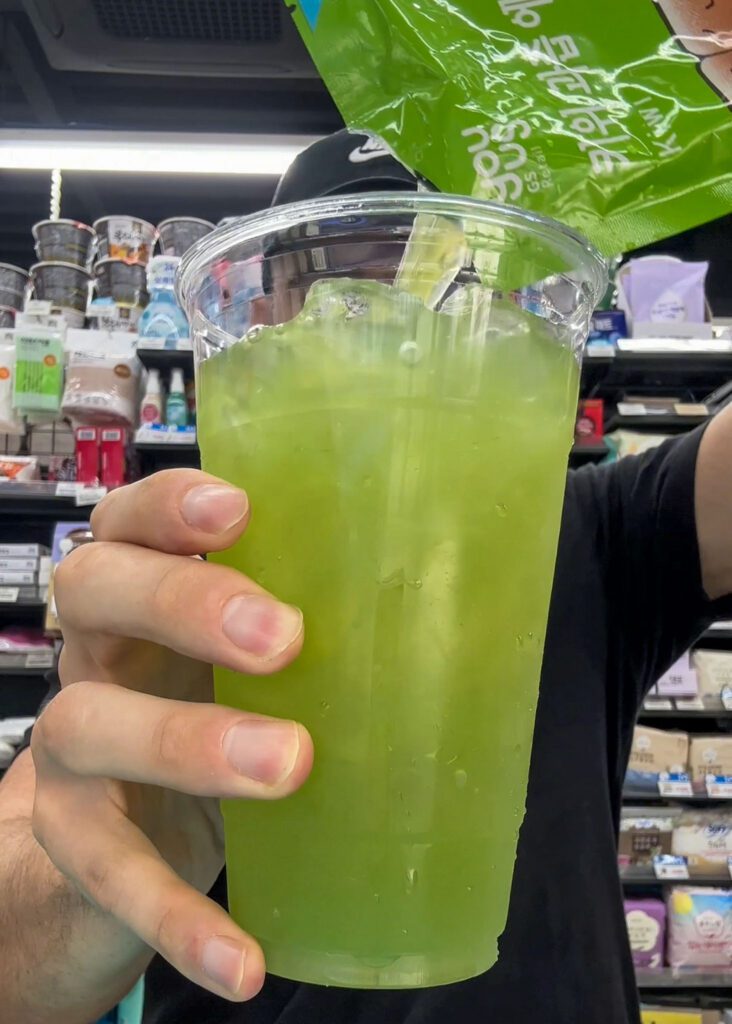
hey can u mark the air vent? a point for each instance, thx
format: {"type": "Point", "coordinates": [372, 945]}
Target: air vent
{"type": "Point", "coordinates": [200, 21]}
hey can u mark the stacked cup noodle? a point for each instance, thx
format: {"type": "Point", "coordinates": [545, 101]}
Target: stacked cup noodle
{"type": "Point", "coordinates": [13, 285]}
{"type": "Point", "coordinates": [125, 246]}
{"type": "Point", "coordinates": [65, 249]}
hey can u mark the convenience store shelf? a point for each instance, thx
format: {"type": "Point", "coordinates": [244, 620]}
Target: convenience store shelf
{"type": "Point", "coordinates": [636, 879]}
{"type": "Point", "coordinates": [632, 796]}
{"type": "Point", "coordinates": [664, 422]}
{"type": "Point", "coordinates": [40, 501]}
{"type": "Point", "coordinates": [689, 978]}
{"type": "Point", "coordinates": [23, 673]}
{"type": "Point", "coordinates": [166, 358]}
{"type": "Point", "coordinates": [707, 713]}
{"type": "Point", "coordinates": [582, 453]}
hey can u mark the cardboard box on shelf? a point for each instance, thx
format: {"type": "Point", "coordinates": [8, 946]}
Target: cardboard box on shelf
{"type": "Point", "coordinates": [655, 751]}
{"type": "Point", "coordinates": [23, 550]}
{"type": "Point", "coordinates": [9, 578]}
{"type": "Point", "coordinates": [18, 564]}
{"type": "Point", "coordinates": [709, 755]}
{"type": "Point", "coordinates": [714, 673]}
{"type": "Point", "coordinates": [643, 837]}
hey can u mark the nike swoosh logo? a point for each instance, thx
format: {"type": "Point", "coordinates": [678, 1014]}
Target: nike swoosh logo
{"type": "Point", "coordinates": [368, 151]}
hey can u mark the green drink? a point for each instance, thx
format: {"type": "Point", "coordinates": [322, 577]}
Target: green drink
{"type": "Point", "coordinates": [406, 468]}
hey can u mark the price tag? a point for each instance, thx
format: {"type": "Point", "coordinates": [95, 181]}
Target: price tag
{"type": "Point", "coordinates": [39, 659]}
{"type": "Point", "coordinates": [726, 696]}
{"type": "Point", "coordinates": [719, 786]}
{"type": "Point", "coordinates": [691, 409]}
{"type": "Point", "coordinates": [66, 489]}
{"type": "Point", "coordinates": [632, 409]}
{"type": "Point", "coordinates": [670, 868]}
{"type": "Point", "coordinates": [89, 495]}
{"type": "Point", "coordinates": [8, 595]}
{"type": "Point", "coordinates": [657, 704]}
{"type": "Point", "coordinates": [690, 704]}
{"type": "Point", "coordinates": [674, 784]}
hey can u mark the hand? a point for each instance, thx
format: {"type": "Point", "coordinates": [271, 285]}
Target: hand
{"type": "Point", "coordinates": [131, 755]}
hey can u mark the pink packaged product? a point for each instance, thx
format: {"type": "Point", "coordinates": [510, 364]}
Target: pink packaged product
{"type": "Point", "coordinates": [646, 924]}
{"type": "Point", "coordinates": [700, 927]}
{"type": "Point", "coordinates": [15, 640]}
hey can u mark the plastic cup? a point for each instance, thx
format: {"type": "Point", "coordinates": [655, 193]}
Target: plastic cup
{"type": "Point", "coordinates": [400, 412]}
{"type": "Point", "coordinates": [64, 241]}
{"type": "Point", "coordinates": [7, 316]}
{"type": "Point", "coordinates": [122, 281]}
{"type": "Point", "coordinates": [176, 235]}
{"type": "Point", "coordinates": [125, 238]}
{"type": "Point", "coordinates": [13, 283]}
{"type": "Point", "coordinates": [62, 284]}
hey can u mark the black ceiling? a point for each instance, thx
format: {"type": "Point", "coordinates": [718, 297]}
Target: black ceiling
{"type": "Point", "coordinates": [266, 95]}
{"type": "Point", "coordinates": [33, 94]}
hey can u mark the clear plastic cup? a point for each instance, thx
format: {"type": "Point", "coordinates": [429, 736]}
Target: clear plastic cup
{"type": "Point", "coordinates": [400, 411]}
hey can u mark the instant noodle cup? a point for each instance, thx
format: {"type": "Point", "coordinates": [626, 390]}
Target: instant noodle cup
{"type": "Point", "coordinates": [127, 238]}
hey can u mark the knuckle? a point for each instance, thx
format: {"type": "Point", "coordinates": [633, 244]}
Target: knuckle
{"type": "Point", "coordinates": [78, 566]}
{"type": "Point", "coordinates": [56, 732]}
{"type": "Point", "coordinates": [165, 934]}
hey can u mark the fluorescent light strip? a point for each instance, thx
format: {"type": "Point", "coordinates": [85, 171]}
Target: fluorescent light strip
{"type": "Point", "coordinates": [149, 153]}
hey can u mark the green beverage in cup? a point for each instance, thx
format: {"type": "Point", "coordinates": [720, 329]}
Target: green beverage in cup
{"type": "Point", "coordinates": [406, 464]}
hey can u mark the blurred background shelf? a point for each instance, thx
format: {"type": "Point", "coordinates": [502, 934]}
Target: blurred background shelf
{"type": "Point", "coordinates": [165, 358]}
{"type": "Point", "coordinates": [688, 979]}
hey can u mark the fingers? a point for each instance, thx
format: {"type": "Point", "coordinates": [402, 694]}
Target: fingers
{"type": "Point", "coordinates": [119, 870]}
{"type": "Point", "coordinates": [182, 511]}
{"type": "Point", "coordinates": [204, 611]}
{"type": "Point", "coordinates": [100, 729]}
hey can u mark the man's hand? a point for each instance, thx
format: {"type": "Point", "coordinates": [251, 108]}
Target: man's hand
{"type": "Point", "coordinates": [132, 755]}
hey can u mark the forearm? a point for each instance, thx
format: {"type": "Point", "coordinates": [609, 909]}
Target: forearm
{"type": "Point", "coordinates": [61, 960]}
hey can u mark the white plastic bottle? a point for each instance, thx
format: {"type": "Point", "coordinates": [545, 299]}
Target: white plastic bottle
{"type": "Point", "coordinates": [151, 407]}
{"type": "Point", "coordinates": [176, 405]}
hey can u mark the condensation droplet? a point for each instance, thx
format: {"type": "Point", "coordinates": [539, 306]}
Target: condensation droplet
{"type": "Point", "coordinates": [519, 641]}
{"type": "Point", "coordinates": [501, 510]}
{"type": "Point", "coordinates": [461, 778]}
{"type": "Point", "coordinates": [468, 888]}
{"type": "Point", "coordinates": [377, 897]}
{"type": "Point", "coordinates": [410, 353]}
{"type": "Point", "coordinates": [412, 878]}
{"type": "Point", "coordinates": [276, 914]}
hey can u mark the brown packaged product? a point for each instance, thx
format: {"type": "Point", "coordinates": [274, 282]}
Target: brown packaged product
{"type": "Point", "coordinates": [709, 755]}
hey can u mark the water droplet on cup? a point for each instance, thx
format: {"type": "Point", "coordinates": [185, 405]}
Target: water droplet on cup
{"type": "Point", "coordinates": [519, 642]}
{"type": "Point", "coordinates": [412, 879]}
{"type": "Point", "coordinates": [410, 353]}
{"type": "Point", "coordinates": [276, 914]}
{"type": "Point", "coordinates": [461, 778]}
{"type": "Point", "coordinates": [501, 510]}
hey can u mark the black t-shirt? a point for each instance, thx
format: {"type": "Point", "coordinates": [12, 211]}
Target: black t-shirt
{"type": "Point", "coordinates": [627, 601]}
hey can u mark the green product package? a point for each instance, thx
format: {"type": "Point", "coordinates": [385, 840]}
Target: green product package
{"type": "Point", "coordinates": [613, 119]}
{"type": "Point", "coordinates": [39, 370]}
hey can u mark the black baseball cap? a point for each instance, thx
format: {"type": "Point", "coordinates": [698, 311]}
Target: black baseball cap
{"type": "Point", "coordinates": [343, 163]}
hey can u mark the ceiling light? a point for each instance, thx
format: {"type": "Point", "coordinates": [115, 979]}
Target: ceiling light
{"type": "Point", "coordinates": [149, 152]}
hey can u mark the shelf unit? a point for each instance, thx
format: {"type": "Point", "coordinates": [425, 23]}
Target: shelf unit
{"type": "Point", "coordinates": [646, 879]}
{"type": "Point", "coordinates": [686, 979]}
{"type": "Point", "coordinates": [166, 358]}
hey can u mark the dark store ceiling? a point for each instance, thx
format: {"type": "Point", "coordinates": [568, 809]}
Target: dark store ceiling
{"type": "Point", "coordinates": [229, 88]}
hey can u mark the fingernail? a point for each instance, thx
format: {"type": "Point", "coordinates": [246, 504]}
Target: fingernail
{"type": "Point", "coordinates": [223, 962]}
{"type": "Point", "coordinates": [263, 751]}
{"type": "Point", "coordinates": [214, 508]}
{"type": "Point", "coordinates": [260, 625]}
